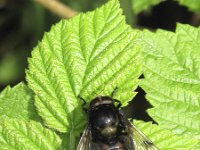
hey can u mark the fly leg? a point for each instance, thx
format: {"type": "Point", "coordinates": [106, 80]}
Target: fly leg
{"type": "Point", "coordinates": [112, 94]}
{"type": "Point", "coordinates": [119, 103]}
{"type": "Point", "coordinates": [114, 91]}
{"type": "Point", "coordinates": [84, 104]}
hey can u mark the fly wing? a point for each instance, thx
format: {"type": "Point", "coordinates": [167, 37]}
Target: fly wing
{"type": "Point", "coordinates": [86, 143]}
{"type": "Point", "coordinates": [141, 142]}
{"type": "Point", "coordinates": [135, 136]}
{"type": "Point", "coordinates": [128, 142]}
{"type": "Point", "coordinates": [86, 138]}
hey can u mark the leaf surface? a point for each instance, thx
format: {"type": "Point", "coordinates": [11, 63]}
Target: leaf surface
{"type": "Point", "coordinates": [88, 55]}
{"type": "Point", "coordinates": [172, 78]}
{"type": "Point", "coordinates": [141, 5]}
{"type": "Point", "coordinates": [22, 135]}
{"type": "Point", "coordinates": [165, 139]}
{"type": "Point", "coordinates": [193, 5]}
{"type": "Point", "coordinates": [18, 102]}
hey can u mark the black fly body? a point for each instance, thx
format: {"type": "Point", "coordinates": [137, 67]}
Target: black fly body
{"type": "Point", "coordinates": [109, 129]}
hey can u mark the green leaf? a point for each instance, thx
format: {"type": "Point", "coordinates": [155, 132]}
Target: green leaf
{"type": "Point", "coordinates": [88, 55]}
{"type": "Point", "coordinates": [165, 139]}
{"type": "Point", "coordinates": [141, 5]}
{"type": "Point", "coordinates": [69, 140]}
{"type": "Point", "coordinates": [193, 5]}
{"type": "Point", "coordinates": [22, 135]}
{"type": "Point", "coordinates": [172, 78]}
{"type": "Point", "coordinates": [18, 102]}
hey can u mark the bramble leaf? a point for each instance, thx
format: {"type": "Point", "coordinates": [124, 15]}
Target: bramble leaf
{"type": "Point", "coordinates": [165, 139]}
{"type": "Point", "coordinates": [172, 78]}
{"type": "Point", "coordinates": [141, 5]}
{"type": "Point", "coordinates": [22, 135]}
{"type": "Point", "coordinates": [193, 5]}
{"type": "Point", "coordinates": [18, 102]}
{"type": "Point", "coordinates": [88, 55]}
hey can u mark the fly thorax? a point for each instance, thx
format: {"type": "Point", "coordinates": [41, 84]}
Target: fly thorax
{"type": "Point", "coordinates": [105, 121]}
{"type": "Point", "coordinates": [108, 131]}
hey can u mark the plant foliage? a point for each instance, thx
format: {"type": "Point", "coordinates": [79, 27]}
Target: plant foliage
{"type": "Point", "coordinates": [18, 102]}
{"type": "Point", "coordinates": [74, 58]}
{"type": "Point", "coordinates": [21, 135]}
{"type": "Point", "coordinates": [172, 78]}
{"type": "Point", "coordinates": [92, 54]}
{"type": "Point", "coordinates": [165, 139]}
{"type": "Point", "coordinates": [141, 5]}
{"type": "Point", "coordinates": [193, 5]}
{"type": "Point", "coordinates": [88, 55]}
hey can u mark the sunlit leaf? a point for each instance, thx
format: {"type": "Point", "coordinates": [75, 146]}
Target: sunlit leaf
{"type": "Point", "coordinates": [193, 5]}
{"type": "Point", "coordinates": [22, 135]}
{"type": "Point", "coordinates": [165, 139]}
{"type": "Point", "coordinates": [18, 102]}
{"type": "Point", "coordinates": [88, 55]}
{"type": "Point", "coordinates": [172, 78]}
{"type": "Point", "coordinates": [141, 5]}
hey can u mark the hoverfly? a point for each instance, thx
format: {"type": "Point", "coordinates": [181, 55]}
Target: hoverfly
{"type": "Point", "coordinates": [109, 129]}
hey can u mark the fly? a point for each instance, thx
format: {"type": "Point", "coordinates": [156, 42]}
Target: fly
{"type": "Point", "coordinates": [109, 129]}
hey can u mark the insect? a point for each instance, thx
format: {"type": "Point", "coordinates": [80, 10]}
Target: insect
{"type": "Point", "coordinates": [109, 129]}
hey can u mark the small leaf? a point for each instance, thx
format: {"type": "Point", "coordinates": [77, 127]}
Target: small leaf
{"type": "Point", "coordinates": [18, 102]}
{"type": "Point", "coordinates": [172, 78]}
{"type": "Point", "coordinates": [141, 5]}
{"type": "Point", "coordinates": [88, 55]}
{"type": "Point", "coordinates": [22, 135]}
{"type": "Point", "coordinates": [193, 5]}
{"type": "Point", "coordinates": [165, 139]}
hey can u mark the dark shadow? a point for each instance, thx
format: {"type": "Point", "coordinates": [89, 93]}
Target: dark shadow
{"type": "Point", "coordinates": [165, 16]}
{"type": "Point", "coordinates": [138, 106]}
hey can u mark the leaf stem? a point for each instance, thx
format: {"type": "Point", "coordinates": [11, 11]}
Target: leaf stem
{"type": "Point", "coordinates": [58, 8]}
{"type": "Point", "coordinates": [72, 141]}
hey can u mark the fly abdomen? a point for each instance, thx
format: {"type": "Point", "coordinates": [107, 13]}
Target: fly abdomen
{"type": "Point", "coordinates": [116, 146]}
